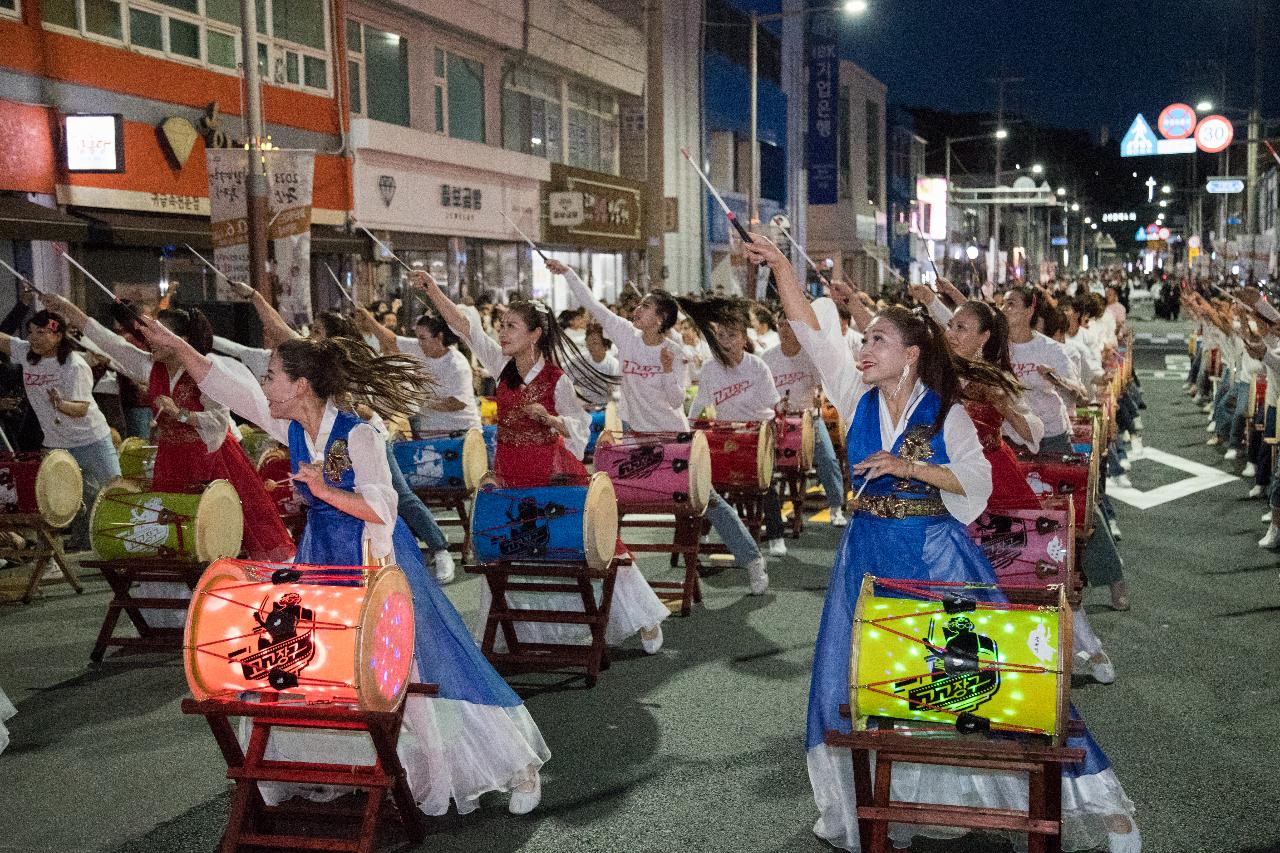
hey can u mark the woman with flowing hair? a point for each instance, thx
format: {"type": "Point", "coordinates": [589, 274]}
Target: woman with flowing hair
{"type": "Point", "coordinates": [916, 456]}
{"type": "Point", "coordinates": [476, 736]}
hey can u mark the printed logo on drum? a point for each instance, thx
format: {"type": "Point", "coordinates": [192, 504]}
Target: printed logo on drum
{"type": "Point", "coordinates": [528, 534]}
{"type": "Point", "coordinates": [285, 642]}
{"type": "Point", "coordinates": [731, 391]}
{"type": "Point", "coordinates": [955, 681]}
{"type": "Point", "coordinates": [1002, 539]}
{"type": "Point", "coordinates": [640, 463]}
{"type": "Point", "coordinates": [633, 368]}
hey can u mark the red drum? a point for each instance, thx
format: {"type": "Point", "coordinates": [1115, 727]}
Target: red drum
{"type": "Point", "coordinates": [1057, 475]}
{"type": "Point", "coordinates": [339, 634]}
{"type": "Point", "coordinates": [795, 442]}
{"type": "Point", "coordinates": [834, 425]}
{"type": "Point", "coordinates": [275, 470]}
{"type": "Point", "coordinates": [741, 453]}
{"type": "Point", "coordinates": [1028, 546]}
{"type": "Point", "coordinates": [47, 484]}
{"type": "Point", "coordinates": [669, 469]}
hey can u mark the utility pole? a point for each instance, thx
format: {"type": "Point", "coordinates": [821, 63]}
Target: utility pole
{"type": "Point", "coordinates": [753, 186]}
{"type": "Point", "coordinates": [1255, 132]}
{"type": "Point", "coordinates": [994, 260]}
{"type": "Point", "coordinates": [256, 165]}
{"type": "Point", "coordinates": [655, 151]}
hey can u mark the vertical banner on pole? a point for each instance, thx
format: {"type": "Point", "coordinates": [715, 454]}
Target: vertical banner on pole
{"type": "Point", "coordinates": [290, 177]}
{"type": "Point", "coordinates": [228, 215]}
{"type": "Point", "coordinates": [824, 105]}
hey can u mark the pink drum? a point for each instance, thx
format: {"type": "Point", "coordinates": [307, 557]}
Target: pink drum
{"type": "Point", "coordinates": [794, 448]}
{"type": "Point", "coordinates": [1028, 546]}
{"type": "Point", "coordinates": [663, 469]}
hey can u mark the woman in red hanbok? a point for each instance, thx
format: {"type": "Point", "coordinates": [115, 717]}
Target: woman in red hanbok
{"type": "Point", "coordinates": [192, 433]}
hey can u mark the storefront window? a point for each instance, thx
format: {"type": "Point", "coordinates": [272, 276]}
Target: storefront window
{"type": "Point", "coordinates": [604, 272]}
{"type": "Point", "coordinates": [593, 129]}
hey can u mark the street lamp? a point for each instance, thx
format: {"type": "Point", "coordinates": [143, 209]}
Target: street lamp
{"type": "Point", "coordinates": [1037, 169]}
{"type": "Point", "coordinates": [849, 7]}
{"type": "Point", "coordinates": [1088, 219]}
{"type": "Point", "coordinates": [1075, 207]}
{"type": "Point", "coordinates": [1166, 189]}
{"type": "Point", "coordinates": [1001, 133]}
{"type": "Point", "coordinates": [1204, 106]}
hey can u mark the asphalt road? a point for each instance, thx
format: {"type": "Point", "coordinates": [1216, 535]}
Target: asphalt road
{"type": "Point", "coordinates": [700, 747]}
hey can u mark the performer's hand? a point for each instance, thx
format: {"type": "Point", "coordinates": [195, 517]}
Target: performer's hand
{"type": "Point", "coordinates": [538, 412]}
{"type": "Point", "coordinates": [842, 291]}
{"type": "Point", "coordinates": [922, 294]}
{"type": "Point", "coordinates": [243, 290]}
{"type": "Point", "coordinates": [556, 267]}
{"type": "Point", "coordinates": [311, 475]}
{"type": "Point", "coordinates": [55, 397]}
{"type": "Point", "coordinates": [668, 360]}
{"type": "Point", "coordinates": [423, 280]}
{"type": "Point", "coordinates": [882, 463]}
{"type": "Point", "coordinates": [167, 406]}
{"type": "Point", "coordinates": [58, 304]}
{"type": "Point", "coordinates": [761, 250]}
{"type": "Point", "coordinates": [365, 321]}
{"type": "Point", "coordinates": [157, 333]}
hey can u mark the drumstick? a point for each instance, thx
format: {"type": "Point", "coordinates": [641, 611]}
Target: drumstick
{"type": "Point", "coordinates": [733, 218]}
{"type": "Point", "coordinates": [385, 248]}
{"type": "Point", "coordinates": [936, 274]}
{"type": "Point", "coordinates": [5, 438]}
{"type": "Point", "coordinates": [523, 235]}
{"type": "Point", "coordinates": [206, 262]}
{"type": "Point", "coordinates": [20, 277]}
{"type": "Point", "coordinates": [785, 233]}
{"type": "Point", "coordinates": [89, 275]}
{"type": "Point", "coordinates": [341, 289]}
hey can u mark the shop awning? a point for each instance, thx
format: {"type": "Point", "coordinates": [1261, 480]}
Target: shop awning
{"type": "Point", "coordinates": [127, 228]}
{"type": "Point", "coordinates": [24, 220]}
{"type": "Point", "coordinates": [331, 240]}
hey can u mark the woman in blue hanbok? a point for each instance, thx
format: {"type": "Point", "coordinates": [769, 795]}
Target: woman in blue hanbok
{"type": "Point", "coordinates": [476, 736]}
{"type": "Point", "coordinates": [916, 457]}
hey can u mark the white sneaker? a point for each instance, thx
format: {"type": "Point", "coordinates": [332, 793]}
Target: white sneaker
{"type": "Point", "coordinates": [1256, 492]}
{"type": "Point", "coordinates": [1212, 427]}
{"type": "Point", "coordinates": [758, 576]}
{"type": "Point", "coordinates": [1103, 671]}
{"type": "Point", "coordinates": [1122, 481]}
{"type": "Point", "coordinates": [1126, 465]}
{"type": "Point", "coordinates": [526, 795]}
{"type": "Point", "coordinates": [1266, 517]}
{"type": "Point", "coordinates": [1207, 408]}
{"type": "Point", "coordinates": [837, 517]}
{"type": "Point", "coordinates": [1231, 455]}
{"type": "Point", "coordinates": [651, 639]}
{"type": "Point", "coordinates": [1213, 441]}
{"type": "Point", "coordinates": [1271, 539]}
{"type": "Point", "coordinates": [1136, 448]}
{"type": "Point", "coordinates": [777, 547]}
{"type": "Point", "coordinates": [1115, 529]}
{"type": "Point", "coordinates": [1250, 471]}
{"type": "Point", "coordinates": [443, 566]}
{"type": "Point", "coordinates": [1137, 424]}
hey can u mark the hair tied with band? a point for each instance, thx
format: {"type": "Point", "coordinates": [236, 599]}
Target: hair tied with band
{"type": "Point", "coordinates": [540, 306]}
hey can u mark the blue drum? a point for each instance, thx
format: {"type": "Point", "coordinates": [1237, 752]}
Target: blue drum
{"type": "Point", "coordinates": [453, 460]}
{"type": "Point", "coordinates": [547, 524]}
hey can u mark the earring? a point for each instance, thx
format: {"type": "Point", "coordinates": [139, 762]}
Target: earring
{"type": "Point", "coordinates": [906, 368]}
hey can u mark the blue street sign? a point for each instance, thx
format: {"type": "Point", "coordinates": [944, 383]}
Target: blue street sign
{"type": "Point", "coordinates": [1225, 185]}
{"type": "Point", "coordinates": [1058, 241]}
{"type": "Point", "coordinates": [1233, 220]}
{"type": "Point", "coordinates": [1140, 140]}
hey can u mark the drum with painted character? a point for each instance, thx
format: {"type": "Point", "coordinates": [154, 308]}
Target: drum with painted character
{"type": "Point", "coordinates": [137, 458]}
{"type": "Point", "coordinates": [129, 522]}
{"type": "Point", "coordinates": [446, 460]}
{"type": "Point", "coordinates": [47, 484]}
{"type": "Point", "coordinates": [794, 442]}
{"type": "Point", "coordinates": [664, 469]}
{"type": "Point", "coordinates": [742, 453]}
{"type": "Point", "coordinates": [1059, 474]}
{"type": "Point", "coordinates": [257, 444]}
{"type": "Point", "coordinates": [553, 524]}
{"type": "Point", "coordinates": [332, 634]}
{"type": "Point", "coordinates": [932, 653]}
{"type": "Point", "coordinates": [1029, 546]}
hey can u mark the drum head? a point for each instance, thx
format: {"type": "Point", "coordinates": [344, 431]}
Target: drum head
{"type": "Point", "coordinates": [385, 651]}
{"type": "Point", "coordinates": [765, 454]}
{"type": "Point", "coordinates": [699, 472]}
{"type": "Point", "coordinates": [806, 441]}
{"type": "Point", "coordinates": [219, 522]}
{"type": "Point", "coordinates": [475, 458]}
{"type": "Point", "coordinates": [600, 522]}
{"type": "Point", "coordinates": [612, 421]}
{"type": "Point", "coordinates": [220, 573]}
{"type": "Point", "coordinates": [607, 436]}
{"type": "Point", "coordinates": [59, 488]}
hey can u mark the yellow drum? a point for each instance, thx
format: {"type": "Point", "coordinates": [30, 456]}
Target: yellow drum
{"type": "Point", "coordinates": [137, 458]}
{"type": "Point", "coordinates": [48, 484]}
{"type": "Point", "coordinates": [128, 522]}
{"type": "Point", "coordinates": [940, 657]}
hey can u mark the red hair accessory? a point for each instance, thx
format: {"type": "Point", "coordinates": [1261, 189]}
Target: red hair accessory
{"type": "Point", "coordinates": [53, 326]}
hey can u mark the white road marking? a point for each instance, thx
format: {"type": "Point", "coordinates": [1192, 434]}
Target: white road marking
{"type": "Point", "coordinates": [1202, 477]}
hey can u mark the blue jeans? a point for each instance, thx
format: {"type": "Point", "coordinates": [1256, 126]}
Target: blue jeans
{"type": "Point", "coordinates": [137, 422]}
{"type": "Point", "coordinates": [828, 466]}
{"type": "Point", "coordinates": [422, 524]}
{"type": "Point", "coordinates": [1229, 412]}
{"type": "Point", "coordinates": [99, 465]}
{"type": "Point", "coordinates": [732, 531]}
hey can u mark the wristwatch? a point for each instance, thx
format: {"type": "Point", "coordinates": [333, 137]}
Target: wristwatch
{"type": "Point", "coordinates": [184, 417]}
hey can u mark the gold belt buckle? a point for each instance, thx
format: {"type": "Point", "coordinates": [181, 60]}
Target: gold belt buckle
{"type": "Point", "coordinates": [899, 509]}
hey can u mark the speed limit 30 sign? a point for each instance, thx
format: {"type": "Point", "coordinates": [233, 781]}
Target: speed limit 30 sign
{"type": "Point", "coordinates": [1214, 134]}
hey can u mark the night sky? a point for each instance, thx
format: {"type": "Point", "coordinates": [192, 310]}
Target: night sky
{"type": "Point", "coordinates": [1085, 64]}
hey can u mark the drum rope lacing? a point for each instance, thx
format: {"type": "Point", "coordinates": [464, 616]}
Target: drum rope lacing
{"type": "Point", "coordinates": [163, 516]}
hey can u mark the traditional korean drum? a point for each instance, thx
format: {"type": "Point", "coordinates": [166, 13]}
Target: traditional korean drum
{"type": "Point", "coordinates": [794, 442]}
{"type": "Point", "coordinates": [742, 453]}
{"type": "Point", "coordinates": [257, 444]}
{"type": "Point", "coordinates": [835, 426]}
{"type": "Point", "coordinates": [137, 458]}
{"type": "Point", "coordinates": [275, 469]}
{"type": "Point", "coordinates": [927, 652]}
{"type": "Point", "coordinates": [552, 524]}
{"type": "Point", "coordinates": [320, 633]}
{"type": "Point", "coordinates": [666, 469]}
{"type": "Point", "coordinates": [47, 484]}
{"type": "Point", "coordinates": [451, 460]}
{"type": "Point", "coordinates": [127, 522]}
{"type": "Point", "coordinates": [1059, 474]}
{"type": "Point", "coordinates": [1028, 546]}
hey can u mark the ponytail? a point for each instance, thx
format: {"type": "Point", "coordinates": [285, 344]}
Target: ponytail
{"type": "Point", "coordinates": [192, 326]}
{"type": "Point", "coordinates": [349, 370]}
{"type": "Point", "coordinates": [706, 314]}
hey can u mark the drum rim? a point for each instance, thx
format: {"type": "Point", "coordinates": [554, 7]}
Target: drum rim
{"type": "Point", "coordinates": [699, 492]}
{"type": "Point", "coordinates": [599, 522]}
{"type": "Point", "coordinates": [43, 478]}
{"type": "Point", "coordinates": [202, 522]}
{"type": "Point", "coordinates": [368, 696]}
{"type": "Point", "coordinates": [474, 453]}
{"type": "Point", "coordinates": [765, 450]}
{"type": "Point", "coordinates": [807, 440]}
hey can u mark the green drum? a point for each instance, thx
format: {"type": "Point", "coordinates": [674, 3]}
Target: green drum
{"type": "Point", "coordinates": [137, 458]}
{"type": "Point", "coordinates": [256, 444]}
{"type": "Point", "coordinates": [129, 523]}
